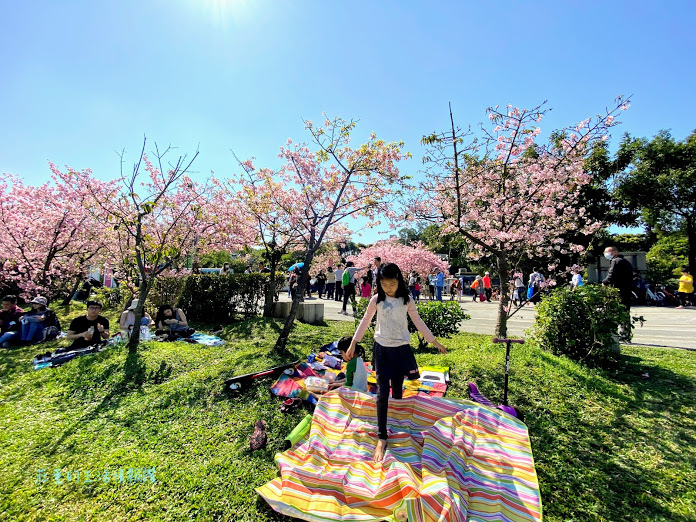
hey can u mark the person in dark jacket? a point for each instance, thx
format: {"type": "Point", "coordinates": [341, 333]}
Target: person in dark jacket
{"type": "Point", "coordinates": [10, 329]}
{"type": "Point", "coordinates": [620, 276]}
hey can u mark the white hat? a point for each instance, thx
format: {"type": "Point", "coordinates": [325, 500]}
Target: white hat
{"type": "Point", "coordinates": [133, 305]}
{"type": "Point", "coordinates": [39, 300]}
{"type": "Point", "coordinates": [488, 273]}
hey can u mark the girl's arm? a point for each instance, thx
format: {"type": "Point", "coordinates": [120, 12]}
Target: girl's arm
{"type": "Point", "coordinates": [362, 328]}
{"type": "Point", "coordinates": [422, 328]}
{"type": "Point", "coordinates": [181, 317]}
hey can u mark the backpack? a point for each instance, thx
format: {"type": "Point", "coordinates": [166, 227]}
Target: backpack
{"type": "Point", "coordinates": [345, 280]}
{"type": "Point", "coordinates": [52, 323]}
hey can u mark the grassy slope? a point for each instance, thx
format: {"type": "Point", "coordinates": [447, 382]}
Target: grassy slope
{"type": "Point", "coordinates": [608, 446]}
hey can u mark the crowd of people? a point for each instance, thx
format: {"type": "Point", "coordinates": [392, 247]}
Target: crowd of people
{"type": "Point", "coordinates": [344, 283]}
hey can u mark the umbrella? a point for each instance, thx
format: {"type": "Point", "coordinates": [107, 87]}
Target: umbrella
{"type": "Point", "coordinates": [296, 265]}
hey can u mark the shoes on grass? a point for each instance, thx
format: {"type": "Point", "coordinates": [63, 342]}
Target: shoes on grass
{"type": "Point", "coordinates": [258, 438]}
{"type": "Point", "coordinates": [291, 405]}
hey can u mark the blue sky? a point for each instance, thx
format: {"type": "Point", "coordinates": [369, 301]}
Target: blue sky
{"type": "Point", "coordinates": [82, 79]}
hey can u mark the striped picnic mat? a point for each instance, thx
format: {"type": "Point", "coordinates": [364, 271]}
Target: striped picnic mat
{"type": "Point", "coordinates": [447, 460]}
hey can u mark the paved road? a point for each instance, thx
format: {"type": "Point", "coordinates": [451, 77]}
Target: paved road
{"type": "Point", "coordinates": [663, 327]}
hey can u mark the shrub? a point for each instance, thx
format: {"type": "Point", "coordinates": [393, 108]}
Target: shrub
{"type": "Point", "coordinates": [221, 299]}
{"type": "Point", "coordinates": [441, 318]}
{"type": "Point", "coordinates": [166, 290]}
{"type": "Point", "coordinates": [581, 324]}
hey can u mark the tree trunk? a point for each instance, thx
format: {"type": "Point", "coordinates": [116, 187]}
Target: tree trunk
{"type": "Point", "coordinates": [691, 237]}
{"type": "Point", "coordinates": [145, 286]}
{"type": "Point", "coordinates": [69, 297]}
{"type": "Point", "coordinates": [270, 293]}
{"type": "Point", "coordinates": [304, 279]}
{"type": "Point", "coordinates": [501, 325]}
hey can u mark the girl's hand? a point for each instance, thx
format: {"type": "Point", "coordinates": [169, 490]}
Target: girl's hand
{"type": "Point", "coordinates": [440, 347]}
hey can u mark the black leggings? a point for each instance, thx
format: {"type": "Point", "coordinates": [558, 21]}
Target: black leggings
{"type": "Point", "coordinates": [383, 385]}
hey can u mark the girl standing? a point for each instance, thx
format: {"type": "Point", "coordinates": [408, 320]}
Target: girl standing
{"type": "Point", "coordinates": [393, 358]}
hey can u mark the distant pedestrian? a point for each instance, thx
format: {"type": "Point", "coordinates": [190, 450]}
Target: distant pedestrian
{"type": "Point", "coordinates": [576, 281]}
{"type": "Point", "coordinates": [330, 283]}
{"type": "Point", "coordinates": [620, 276]}
{"type": "Point", "coordinates": [686, 287]}
{"type": "Point", "coordinates": [487, 288]}
{"type": "Point", "coordinates": [536, 280]}
{"type": "Point", "coordinates": [338, 274]}
{"type": "Point", "coordinates": [439, 284]}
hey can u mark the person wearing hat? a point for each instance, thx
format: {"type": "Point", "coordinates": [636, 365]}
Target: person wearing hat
{"type": "Point", "coordinates": [127, 319]}
{"type": "Point", "coordinates": [35, 321]}
{"type": "Point", "coordinates": [88, 330]}
{"type": "Point", "coordinates": [487, 288]}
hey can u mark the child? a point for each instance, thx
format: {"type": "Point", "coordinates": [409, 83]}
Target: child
{"type": "Point", "coordinates": [365, 288]}
{"type": "Point", "coordinates": [356, 374]}
{"type": "Point", "coordinates": [393, 358]}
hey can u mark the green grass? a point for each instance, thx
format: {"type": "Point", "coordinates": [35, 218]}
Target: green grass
{"type": "Point", "coordinates": [608, 445]}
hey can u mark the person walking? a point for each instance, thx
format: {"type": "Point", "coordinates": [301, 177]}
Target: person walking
{"type": "Point", "coordinates": [330, 283]}
{"type": "Point", "coordinates": [487, 288]}
{"type": "Point", "coordinates": [338, 275]}
{"type": "Point", "coordinates": [439, 284]}
{"type": "Point", "coordinates": [321, 282]}
{"type": "Point", "coordinates": [620, 276]}
{"type": "Point", "coordinates": [412, 283]}
{"type": "Point", "coordinates": [535, 281]}
{"type": "Point", "coordinates": [431, 285]}
{"type": "Point", "coordinates": [518, 281]}
{"type": "Point", "coordinates": [476, 287]}
{"type": "Point", "coordinates": [686, 287]}
{"type": "Point", "coordinates": [393, 357]}
{"type": "Point", "coordinates": [348, 280]}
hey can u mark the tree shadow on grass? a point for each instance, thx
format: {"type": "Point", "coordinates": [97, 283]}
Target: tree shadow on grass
{"type": "Point", "coordinates": [612, 456]}
{"type": "Point", "coordinates": [134, 376]}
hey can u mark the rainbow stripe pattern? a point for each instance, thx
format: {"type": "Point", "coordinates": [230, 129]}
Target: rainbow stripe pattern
{"type": "Point", "coordinates": [447, 460]}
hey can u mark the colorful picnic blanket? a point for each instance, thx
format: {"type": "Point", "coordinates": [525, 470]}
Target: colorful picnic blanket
{"type": "Point", "coordinates": [293, 385]}
{"type": "Point", "coordinates": [447, 460]}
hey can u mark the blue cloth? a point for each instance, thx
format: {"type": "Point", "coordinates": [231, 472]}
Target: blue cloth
{"type": "Point", "coordinates": [438, 293]}
{"type": "Point", "coordinates": [440, 280]}
{"type": "Point", "coordinates": [32, 330]}
{"type": "Point", "coordinates": [10, 337]}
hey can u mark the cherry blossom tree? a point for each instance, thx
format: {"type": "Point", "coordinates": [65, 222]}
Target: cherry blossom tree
{"type": "Point", "coordinates": [266, 205]}
{"type": "Point", "coordinates": [329, 257]}
{"type": "Point", "coordinates": [160, 220]}
{"type": "Point", "coordinates": [408, 257]}
{"type": "Point", "coordinates": [47, 235]}
{"type": "Point", "coordinates": [320, 189]}
{"type": "Point", "coordinates": [506, 193]}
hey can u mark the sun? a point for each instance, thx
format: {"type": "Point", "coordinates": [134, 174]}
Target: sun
{"type": "Point", "coordinates": [224, 10]}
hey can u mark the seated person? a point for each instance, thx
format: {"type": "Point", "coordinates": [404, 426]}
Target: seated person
{"type": "Point", "coordinates": [127, 319]}
{"type": "Point", "coordinates": [356, 374]}
{"type": "Point", "coordinates": [172, 321]}
{"type": "Point", "coordinates": [90, 329]}
{"type": "Point", "coordinates": [10, 328]}
{"type": "Point", "coordinates": [35, 322]}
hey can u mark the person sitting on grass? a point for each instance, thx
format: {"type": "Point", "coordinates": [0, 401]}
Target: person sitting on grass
{"type": "Point", "coordinates": [127, 320]}
{"type": "Point", "coordinates": [393, 358]}
{"type": "Point", "coordinates": [10, 328]}
{"type": "Point", "coordinates": [356, 374]}
{"type": "Point", "coordinates": [89, 330]}
{"type": "Point", "coordinates": [36, 321]}
{"type": "Point", "coordinates": [172, 321]}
